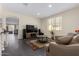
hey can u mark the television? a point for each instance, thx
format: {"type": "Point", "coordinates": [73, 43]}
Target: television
{"type": "Point", "coordinates": [30, 28]}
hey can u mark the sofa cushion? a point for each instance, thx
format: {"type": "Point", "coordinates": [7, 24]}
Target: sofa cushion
{"type": "Point", "coordinates": [64, 40]}
{"type": "Point", "coordinates": [71, 34]}
{"type": "Point", "coordinates": [75, 39]}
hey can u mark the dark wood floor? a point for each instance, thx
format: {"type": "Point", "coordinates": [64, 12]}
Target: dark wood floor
{"type": "Point", "coordinates": [17, 47]}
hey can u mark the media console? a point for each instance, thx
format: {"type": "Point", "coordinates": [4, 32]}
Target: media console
{"type": "Point", "coordinates": [31, 32]}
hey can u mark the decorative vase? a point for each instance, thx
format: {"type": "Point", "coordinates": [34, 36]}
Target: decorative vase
{"type": "Point", "coordinates": [52, 35]}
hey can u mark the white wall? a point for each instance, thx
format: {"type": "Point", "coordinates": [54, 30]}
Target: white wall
{"type": "Point", "coordinates": [1, 46]}
{"type": "Point", "coordinates": [44, 27]}
{"type": "Point", "coordinates": [70, 22]}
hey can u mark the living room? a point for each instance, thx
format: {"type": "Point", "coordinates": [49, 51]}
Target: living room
{"type": "Point", "coordinates": [42, 22]}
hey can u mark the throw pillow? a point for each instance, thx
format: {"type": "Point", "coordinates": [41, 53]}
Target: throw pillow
{"type": "Point", "coordinates": [64, 40]}
{"type": "Point", "coordinates": [71, 34]}
{"type": "Point", "coordinates": [75, 39]}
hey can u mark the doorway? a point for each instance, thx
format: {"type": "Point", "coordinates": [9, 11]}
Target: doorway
{"type": "Point", "coordinates": [8, 32]}
{"type": "Point", "coordinates": [12, 25]}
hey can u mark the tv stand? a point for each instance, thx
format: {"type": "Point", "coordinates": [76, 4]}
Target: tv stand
{"type": "Point", "coordinates": [31, 35]}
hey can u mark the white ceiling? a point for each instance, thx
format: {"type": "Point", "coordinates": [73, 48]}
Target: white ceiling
{"type": "Point", "coordinates": [33, 8]}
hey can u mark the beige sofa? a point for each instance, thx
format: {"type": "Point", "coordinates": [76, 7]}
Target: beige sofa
{"type": "Point", "coordinates": [55, 49]}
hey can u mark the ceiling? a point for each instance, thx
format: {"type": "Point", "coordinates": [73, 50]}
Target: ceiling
{"type": "Point", "coordinates": [40, 10]}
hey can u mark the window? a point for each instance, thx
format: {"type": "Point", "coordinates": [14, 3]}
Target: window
{"type": "Point", "coordinates": [55, 23]}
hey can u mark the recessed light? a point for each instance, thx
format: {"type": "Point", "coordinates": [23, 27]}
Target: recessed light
{"type": "Point", "coordinates": [49, 5]}
{"type": "Point", "coordinates": [26, 4]}
{"type": "Point", "coordinates": [38, 14]}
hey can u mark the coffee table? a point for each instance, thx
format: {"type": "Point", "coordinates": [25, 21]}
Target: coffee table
{"type": "Point", "coordinates": [35, 44]}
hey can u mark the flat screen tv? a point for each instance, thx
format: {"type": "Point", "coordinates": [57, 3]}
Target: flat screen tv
{"type": "Point", "coordinates": [30, 28]}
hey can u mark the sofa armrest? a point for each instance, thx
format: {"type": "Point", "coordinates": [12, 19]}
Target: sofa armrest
{"type": "Point", "coordinates": [71, 45]}
{"type": "Point", "coordinates": [63, 50]}
{"type": "Point", "coordinates": [47, 49]}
